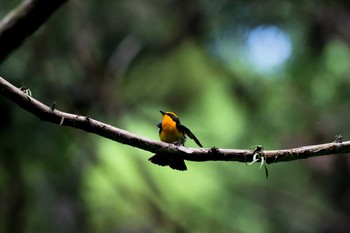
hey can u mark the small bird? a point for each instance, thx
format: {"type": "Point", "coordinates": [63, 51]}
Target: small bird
{"type": "Point", "coordinates": [172, 131]}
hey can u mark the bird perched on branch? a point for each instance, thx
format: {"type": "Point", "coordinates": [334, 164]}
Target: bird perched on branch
{"type": "Point", "coordinates": [172, 131]}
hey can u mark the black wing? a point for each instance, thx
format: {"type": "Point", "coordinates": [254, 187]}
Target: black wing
{"type": "Point", "coordinates": [159, 125]}
{"type": "Point", "coordinates": [187, 131]}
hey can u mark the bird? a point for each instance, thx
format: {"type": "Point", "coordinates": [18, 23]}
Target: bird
{"type": "Point", "coordinates": [172, 131]}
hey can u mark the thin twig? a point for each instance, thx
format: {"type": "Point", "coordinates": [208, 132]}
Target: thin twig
{"type": "Point", "coordinates": [85, 123]}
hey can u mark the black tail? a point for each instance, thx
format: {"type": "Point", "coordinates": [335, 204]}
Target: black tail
{"type": "Point", "coordinates": [166, 160]}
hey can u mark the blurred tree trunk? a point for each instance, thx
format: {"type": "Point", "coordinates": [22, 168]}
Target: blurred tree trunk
{"type": "Point", "coordinates": [22, 21]}
{"type": "Point", "coordinates": [12, 188]}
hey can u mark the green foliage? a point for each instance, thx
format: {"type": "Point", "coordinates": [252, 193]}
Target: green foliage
{"type": "Point", "coordinates": [121, 62]}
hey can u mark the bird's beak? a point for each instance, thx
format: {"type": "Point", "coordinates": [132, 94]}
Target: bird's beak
{"type": "Point", "coordinates": [162, 112]}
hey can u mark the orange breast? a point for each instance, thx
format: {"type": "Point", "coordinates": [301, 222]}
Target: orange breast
{"type": "Point", "coordinates": [169, 132]}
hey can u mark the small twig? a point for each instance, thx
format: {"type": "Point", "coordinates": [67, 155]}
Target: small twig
{"type": "Point", "coordinates": [53, 106]}
{"type": "Point", "coordinates": [88, 124]}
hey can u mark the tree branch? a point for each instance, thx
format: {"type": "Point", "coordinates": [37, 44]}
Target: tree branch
{"type": "Point", "coordinates": [50, 114]}
{"type": "Point", "coordinates": [23, 21]}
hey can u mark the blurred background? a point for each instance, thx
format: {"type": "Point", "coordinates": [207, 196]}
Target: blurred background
{"type": "Point", "coordinates": [237, 73]}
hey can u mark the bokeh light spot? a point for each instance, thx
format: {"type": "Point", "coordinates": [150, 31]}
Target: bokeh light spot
{"type": "Point", "coordinates": [267, 47]}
